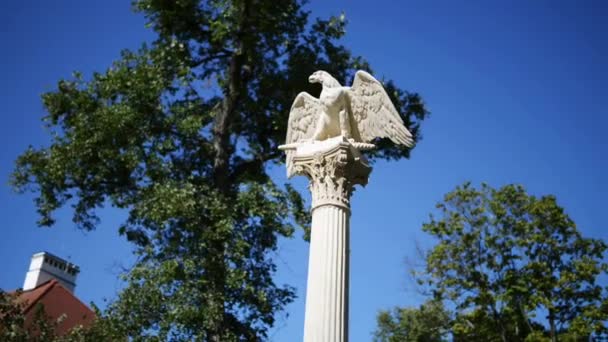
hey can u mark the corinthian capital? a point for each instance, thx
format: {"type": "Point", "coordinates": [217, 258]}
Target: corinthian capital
{"type": "Point", "coordinates": [334, 167]}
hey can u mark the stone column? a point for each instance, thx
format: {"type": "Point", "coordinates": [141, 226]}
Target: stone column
{"type": "Point", "coordinates": [333, 167]}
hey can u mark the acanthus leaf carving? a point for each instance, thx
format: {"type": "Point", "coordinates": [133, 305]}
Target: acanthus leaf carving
{"type": "Point", "coordinates": [333, 175]}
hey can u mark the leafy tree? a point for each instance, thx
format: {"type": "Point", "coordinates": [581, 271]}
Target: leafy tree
{"type": "Point", "coordinates": [180, 134]}
{"type": "Point", "coordinates": [12, 320]}
{"type": "Point", "coordinates": [428, 323]}
{"type": "Point", "coordinates": [515, 266]}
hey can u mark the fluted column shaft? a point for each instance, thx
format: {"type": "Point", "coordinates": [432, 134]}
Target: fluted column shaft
{"type": "Point", "coordinates": [333, 167]}
{"type": "Point", "coordinates": [326, 316]}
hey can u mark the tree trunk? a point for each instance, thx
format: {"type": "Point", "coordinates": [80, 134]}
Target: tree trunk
{"type": "Point", "coordinates": [552, 332]}
{"type": "Point", "coordinates": [221, 126]}
{"type": "Point", "coordinates": [221, 163]}
{"type": "Point", "coordinates": [221, 169]}
{"type": "Point", "coordinates": [498, 320]}
{"type": "Point", "coordinates": [524, 317]}
{"type": "Point", "coordinates": [232, 95]}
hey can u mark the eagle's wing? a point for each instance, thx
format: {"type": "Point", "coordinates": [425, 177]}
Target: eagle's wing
{"type": "Point", "coordinates": [302, 122]}
{"type": "Point", "coordinates": [373, 112]}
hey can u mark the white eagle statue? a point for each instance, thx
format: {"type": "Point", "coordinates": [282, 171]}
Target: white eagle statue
{"type": "Point", "coordinates": [360, 113]}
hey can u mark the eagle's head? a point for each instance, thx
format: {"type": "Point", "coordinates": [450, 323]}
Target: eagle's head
{"type": "Point", "coordinates": [317, 77]}
{"type": "Point", "coordinates": [324, 78]}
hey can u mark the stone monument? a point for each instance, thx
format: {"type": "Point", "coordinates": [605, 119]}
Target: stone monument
{"type": "Point", "coordinates": [325, 137]}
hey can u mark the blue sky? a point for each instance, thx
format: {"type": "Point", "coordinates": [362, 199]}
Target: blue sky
{"type": "Point", "coordinates": [516, 90]}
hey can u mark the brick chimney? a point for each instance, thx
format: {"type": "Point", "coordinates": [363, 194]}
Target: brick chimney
{"type": "Point", "coordinates": [46, 266]}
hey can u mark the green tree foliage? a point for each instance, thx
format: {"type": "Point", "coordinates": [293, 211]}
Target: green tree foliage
{"type": "Point", "coordinates": [428, 323]}
{"type": "Point", "coordinates": [515, 267]}
{"type": "Point", "coordinates": [12, 320]}
{"type": "Point", "coordinates": [180, 134]}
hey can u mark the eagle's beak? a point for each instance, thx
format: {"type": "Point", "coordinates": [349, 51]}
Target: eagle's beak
{"type": "Point", "coordinates": [312, 78]}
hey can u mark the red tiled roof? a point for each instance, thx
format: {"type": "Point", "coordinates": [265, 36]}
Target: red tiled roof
{"type": "Point", "coordinates": [57, 302]}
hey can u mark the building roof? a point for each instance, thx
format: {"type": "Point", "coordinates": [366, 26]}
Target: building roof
{"type": "Point", "coordinates": [57, 302]}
